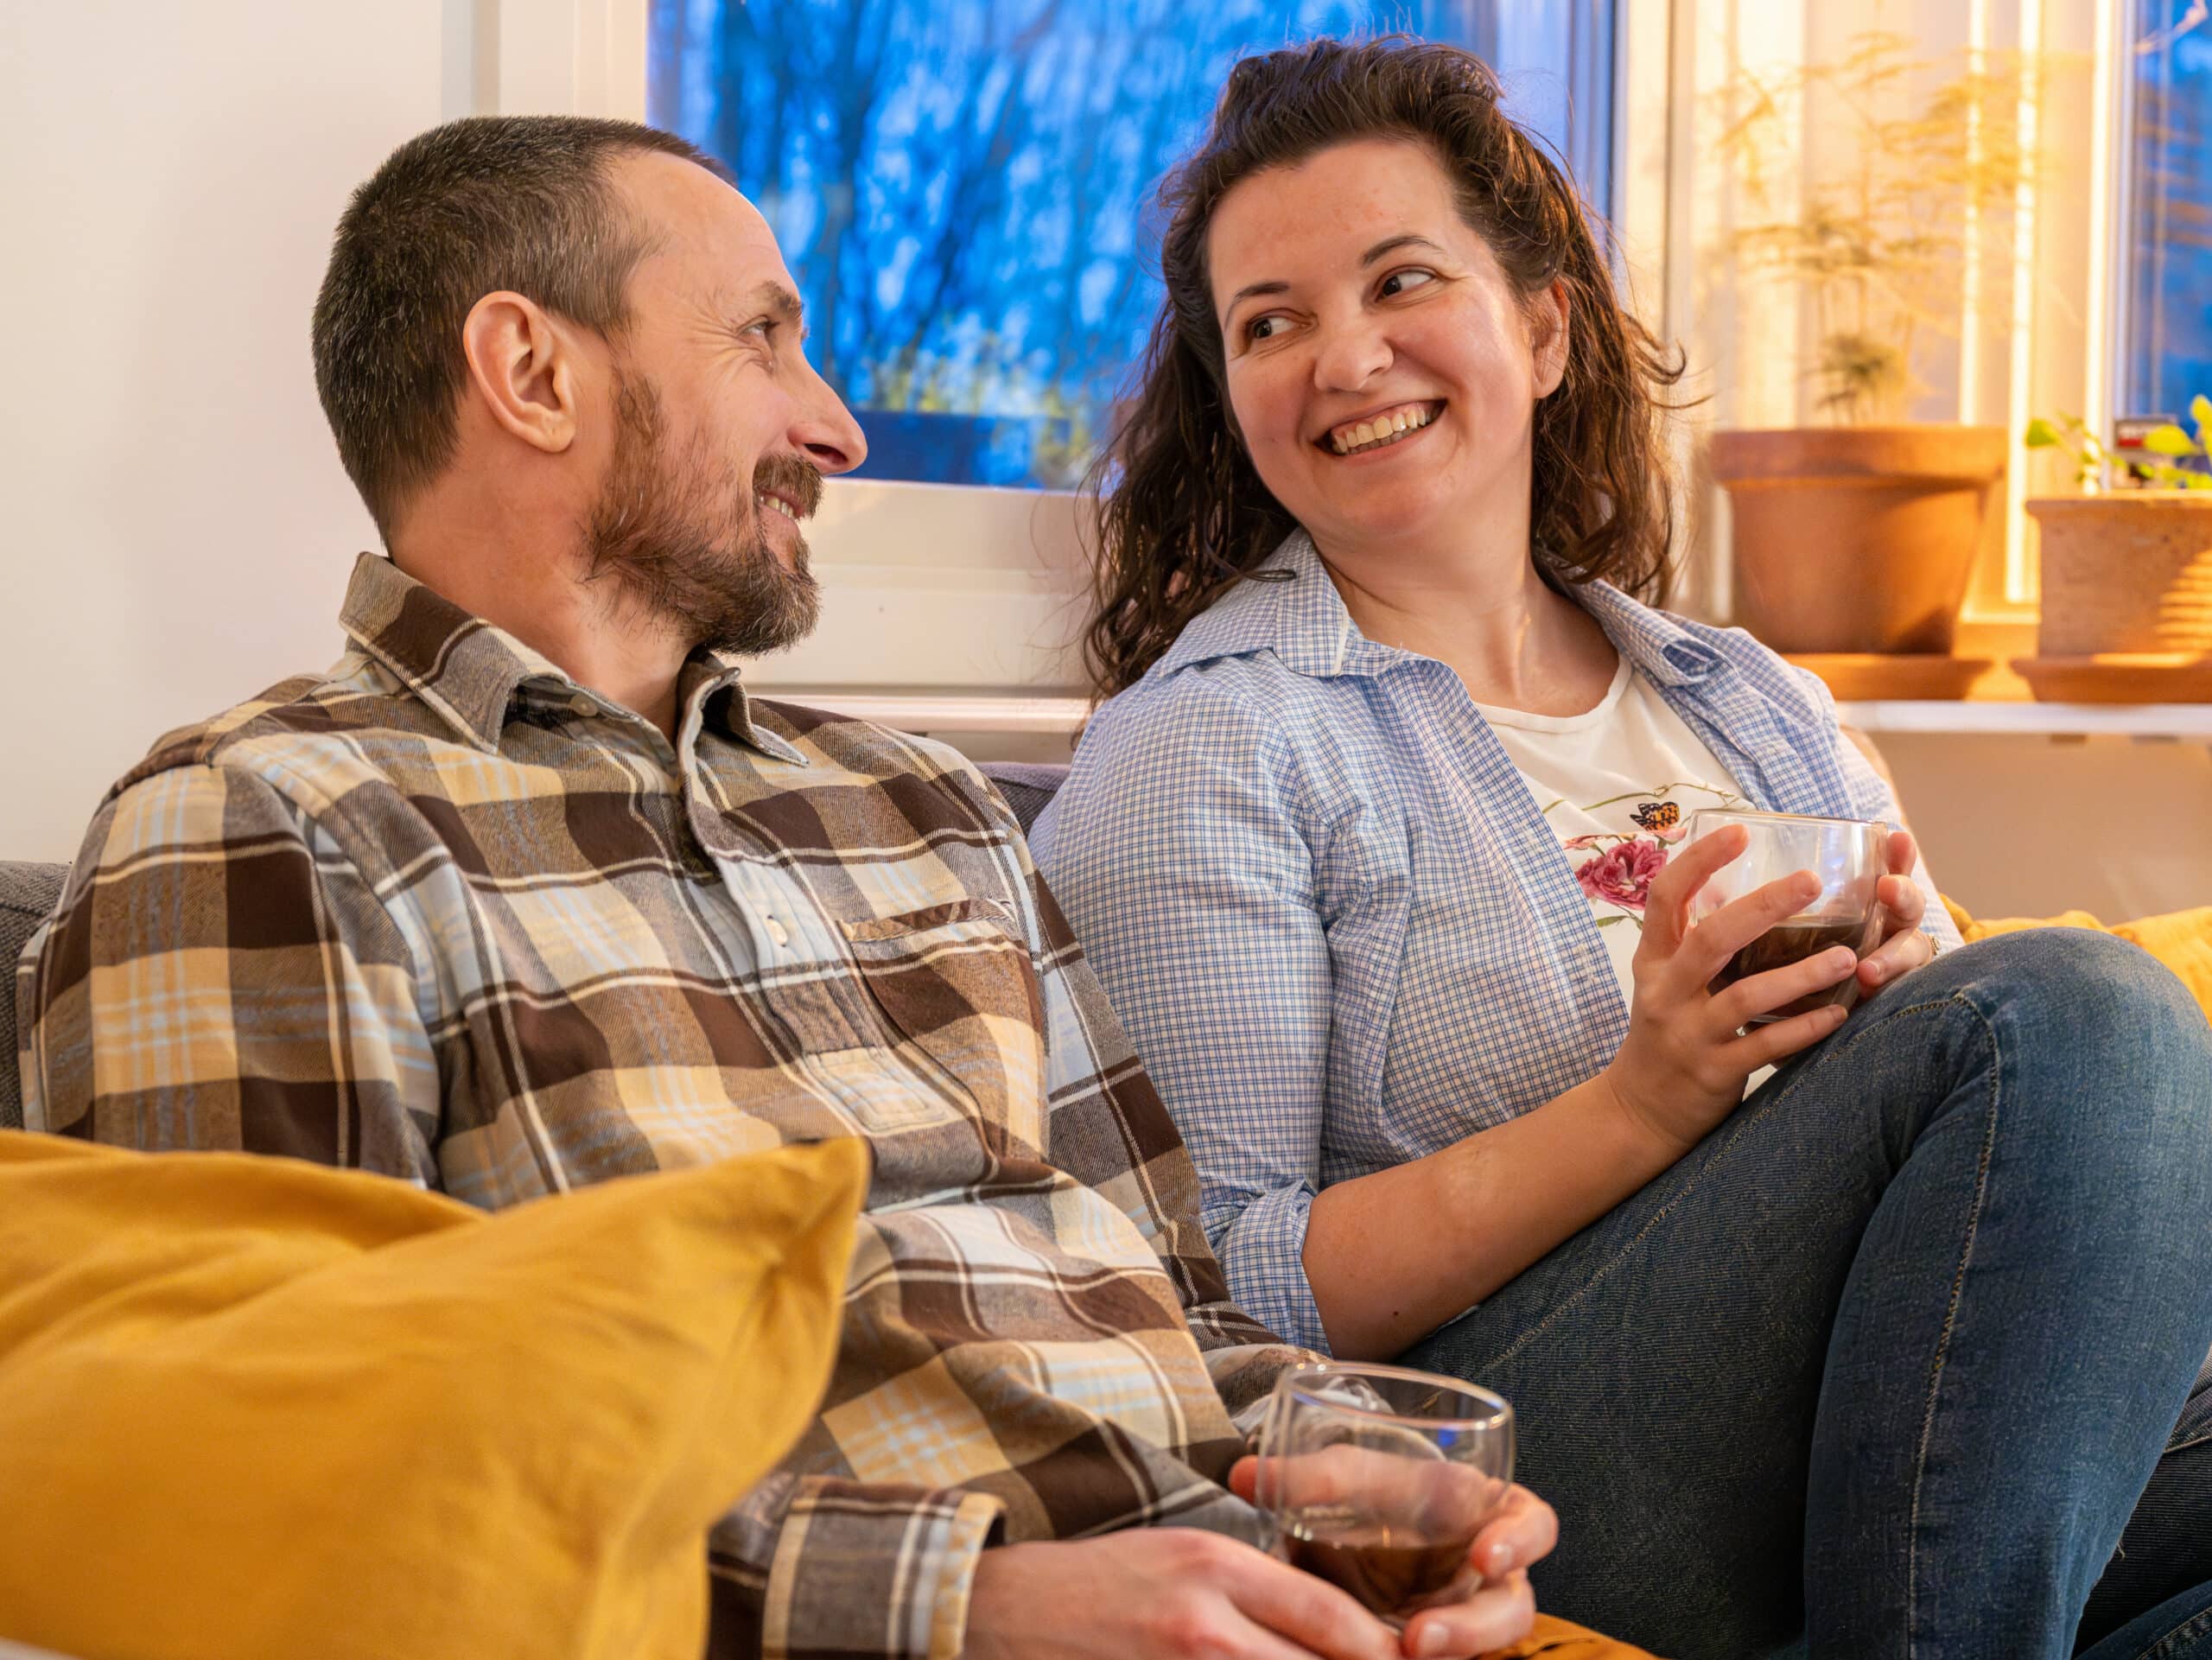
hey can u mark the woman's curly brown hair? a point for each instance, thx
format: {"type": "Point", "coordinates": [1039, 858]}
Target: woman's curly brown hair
{"type": "Point", "coordinates": [1182, 514]}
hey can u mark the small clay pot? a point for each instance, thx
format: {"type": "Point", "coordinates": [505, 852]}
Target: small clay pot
{"type": "Point", "coordinates": [2130, 571]}
{"type": "Point", "coordinates": [1857, 538]}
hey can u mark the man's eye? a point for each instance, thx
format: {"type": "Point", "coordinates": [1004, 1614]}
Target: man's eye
{"type": "Point", "coordinates": [1412, 278]}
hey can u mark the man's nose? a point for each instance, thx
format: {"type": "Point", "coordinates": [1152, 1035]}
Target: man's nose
{"type": "Point", "coordinates": [1351, 353]}
{"type": "Point", "coordinates": [826, 431]}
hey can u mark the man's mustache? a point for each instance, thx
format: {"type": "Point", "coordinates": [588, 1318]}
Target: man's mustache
{"type": "Point", "coordinates": [797, 481]}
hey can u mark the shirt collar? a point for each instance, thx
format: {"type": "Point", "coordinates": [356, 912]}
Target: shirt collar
{"type": "Point", "coordinates": [470, 672]}
{"type": "Point", "coordinates": [1299, 616]}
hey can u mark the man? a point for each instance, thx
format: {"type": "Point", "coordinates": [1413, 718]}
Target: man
{"type": "Point", "coordinates": [526, 893]}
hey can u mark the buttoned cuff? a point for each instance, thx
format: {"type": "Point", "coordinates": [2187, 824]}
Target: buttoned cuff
{"type": "Point", "coordinates": [1263, 1255]}
{"type": "Point", "coordinates": [859, 1570]}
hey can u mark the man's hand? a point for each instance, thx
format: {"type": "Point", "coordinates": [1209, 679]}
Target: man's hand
{"type": "Point", "coordinates": [1163, 1594]}
{"type": "Point", "coordinates": [1903, 947]}
{"type": "Point", "coordinates": [1520, 1528]}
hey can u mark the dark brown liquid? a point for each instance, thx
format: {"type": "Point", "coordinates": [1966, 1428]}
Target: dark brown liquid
{"type": "Point", "coordinates": [1393, 1579]}
{"type": "Point", "coordinates": [1792, 942]}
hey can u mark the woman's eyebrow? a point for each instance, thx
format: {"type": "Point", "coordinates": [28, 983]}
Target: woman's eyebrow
{"type": "Point", "coordinates": [1273, 285]}
{"type": "Point", "coordinates": [1390, 244]}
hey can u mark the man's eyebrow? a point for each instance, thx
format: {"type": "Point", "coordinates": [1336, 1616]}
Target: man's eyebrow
{"type": "Point", "coordinates": [782, 304]}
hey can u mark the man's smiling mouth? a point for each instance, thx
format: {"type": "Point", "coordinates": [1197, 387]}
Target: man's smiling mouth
{"type": "Point", "coordinates": [1380, 430]}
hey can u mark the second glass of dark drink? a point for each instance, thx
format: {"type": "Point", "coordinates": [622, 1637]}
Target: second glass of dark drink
{"type": "Point", "coordinates": [1849, 856]}
{"type": "Point", "coordinates": [1378, 1478]}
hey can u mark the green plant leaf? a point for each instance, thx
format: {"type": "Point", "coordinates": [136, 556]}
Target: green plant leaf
{"type": "Point", "coordinates": [2041, 434]}
{"type": "Point", "coordinates": [2167, 440]}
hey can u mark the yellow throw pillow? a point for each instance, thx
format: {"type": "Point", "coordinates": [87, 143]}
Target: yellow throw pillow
{"type": "Point", "coordinates": [249, 1407]}
{"type": "Point", "coordinates": [2180, 939]}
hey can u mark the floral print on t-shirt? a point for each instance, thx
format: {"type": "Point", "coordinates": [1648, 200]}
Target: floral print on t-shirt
{"type": "Point", "coordinates": [1615, 868]}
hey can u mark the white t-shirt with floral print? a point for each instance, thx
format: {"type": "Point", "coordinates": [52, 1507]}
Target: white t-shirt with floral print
{"type": "Point", "coordinates": [1617, 783]}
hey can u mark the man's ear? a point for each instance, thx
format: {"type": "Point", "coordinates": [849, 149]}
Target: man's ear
{"type": "Point", "coordinates": [523, 366]}
{"type": "Point", "coordinates": [1550, 337]}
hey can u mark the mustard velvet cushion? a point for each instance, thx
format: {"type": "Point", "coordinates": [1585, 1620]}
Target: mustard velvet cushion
{"type": "Point", "coordinates": [249, 1407]}
{"type": "Point", "coordinates": [2180, 939]}
{"type": "Point", "coordinates": [1554, 1639]}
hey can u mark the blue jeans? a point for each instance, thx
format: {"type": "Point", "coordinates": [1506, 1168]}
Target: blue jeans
{"type": "Point", "coordinates": [1882, 1366]}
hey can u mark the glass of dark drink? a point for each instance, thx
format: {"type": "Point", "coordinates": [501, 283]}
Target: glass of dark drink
{"type": "Point", "coordinates": [1377, 1479]}
{"type": "Point", "coordinates": [1849, 855]}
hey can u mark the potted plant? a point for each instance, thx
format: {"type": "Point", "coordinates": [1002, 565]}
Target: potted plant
{"type": "Point", "coordinates": [1858, 533]}
{"type": "Point", "coordinates": [2127, 573]}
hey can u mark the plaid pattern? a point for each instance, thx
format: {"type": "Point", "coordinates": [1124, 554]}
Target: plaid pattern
{"type": "Point", "coordinates": [446, 914]}
{"type": "Point", "coordinates": [1334, 918]}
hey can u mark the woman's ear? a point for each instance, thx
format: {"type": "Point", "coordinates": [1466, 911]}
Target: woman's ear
{"type": "Point", "coordinates": [521, 365]}
{"type": "Point", "coordinates": [1550, 335]}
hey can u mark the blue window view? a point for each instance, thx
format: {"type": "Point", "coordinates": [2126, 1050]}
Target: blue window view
{"type": "Point", "coordinates": [2168, 355]}
{"type": "Point", "coordinates": [963, 188]}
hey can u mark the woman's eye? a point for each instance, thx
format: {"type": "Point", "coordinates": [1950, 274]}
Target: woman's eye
{"type": "Point", "coordinates": [1399, 281]}
{"type": "Point", "coordinates": [1261, 328]}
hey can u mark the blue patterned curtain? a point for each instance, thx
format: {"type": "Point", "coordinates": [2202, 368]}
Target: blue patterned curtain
{"type": "Point", "coordinates": [964, 186]}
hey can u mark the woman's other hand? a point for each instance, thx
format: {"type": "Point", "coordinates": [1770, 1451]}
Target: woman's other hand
{"type": "Point", "coordinates": [1688, 1052]}
{"type": "Point", "coordinates": [1903, 947]}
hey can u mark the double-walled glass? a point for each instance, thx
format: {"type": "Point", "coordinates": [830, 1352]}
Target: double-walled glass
{"type": "Point", "coordinates": [1378, 1478]}
{"type": "Point", "coordinates": [1849, 856]}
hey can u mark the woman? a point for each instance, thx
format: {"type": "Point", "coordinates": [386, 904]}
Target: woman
{"type": "Point", "coordinates": [1376, 847]}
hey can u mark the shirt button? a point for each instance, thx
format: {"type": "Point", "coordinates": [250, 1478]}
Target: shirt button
{"type": "Point", "coordinates": [582, 705]}
{"type": "Point", "coordinates": [776, 932]}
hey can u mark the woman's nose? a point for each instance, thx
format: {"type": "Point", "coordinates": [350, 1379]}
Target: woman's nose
{"type": "Point", "coordinates": [1350, 355]}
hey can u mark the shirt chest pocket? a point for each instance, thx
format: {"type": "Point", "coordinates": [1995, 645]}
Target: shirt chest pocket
{"type": "Point", "coordinates": [959, 997]}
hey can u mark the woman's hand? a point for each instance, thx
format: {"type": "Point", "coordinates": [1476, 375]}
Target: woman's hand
{"type": "Point", "coordinates": [1687, 1054]}
{"type": "Point", "coordinates": [1903, 947]}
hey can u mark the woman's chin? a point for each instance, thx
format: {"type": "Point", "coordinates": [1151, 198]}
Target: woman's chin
{"type": "Point", "coordinates": [1382, 517]}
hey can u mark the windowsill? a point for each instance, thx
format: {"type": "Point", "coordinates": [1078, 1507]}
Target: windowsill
{"type": "Point", "coordinates": [2029, 719]}
{"type": "Point", "coordinates": [934, 711]}
{"type": "Point", "coordinates": [1059, 714]}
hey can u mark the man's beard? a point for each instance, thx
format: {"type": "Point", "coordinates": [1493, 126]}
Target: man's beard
{"type": "Point", "coordinates": [685, 545]}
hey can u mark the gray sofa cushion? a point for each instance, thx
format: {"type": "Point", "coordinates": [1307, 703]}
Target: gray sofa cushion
{"type": "Point", "coordinates": [1026, 786]}
{"type": "Point", "coordinates": [28, 896]}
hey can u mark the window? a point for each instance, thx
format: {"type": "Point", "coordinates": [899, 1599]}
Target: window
{"type": "Point", "coordinates": [2165, 354]}
{"type": "Point", "coordinates": [963, 187]}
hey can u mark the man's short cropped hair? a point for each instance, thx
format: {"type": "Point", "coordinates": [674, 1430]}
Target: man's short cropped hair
{"type": "Point", "coordinates": [520, 202]}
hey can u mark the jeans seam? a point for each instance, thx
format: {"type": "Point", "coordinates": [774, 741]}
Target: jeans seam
{"type": "Point", "coordinates": [1950, 1321]}
{"type": "Point", "coordinates": [1605, 1270]}
{"type": "Point", "coordinates": [2195, 1626]}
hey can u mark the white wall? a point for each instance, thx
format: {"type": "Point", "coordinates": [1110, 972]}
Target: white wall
{"type": "Point", "coordinates": [179, 531]}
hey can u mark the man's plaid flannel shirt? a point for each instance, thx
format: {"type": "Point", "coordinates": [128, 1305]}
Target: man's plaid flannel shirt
{"type": "Point", "coordinates": [446, 914]}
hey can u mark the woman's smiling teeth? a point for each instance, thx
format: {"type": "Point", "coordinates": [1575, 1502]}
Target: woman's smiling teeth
{"type": "Point", "coordinates": [1387, 428]}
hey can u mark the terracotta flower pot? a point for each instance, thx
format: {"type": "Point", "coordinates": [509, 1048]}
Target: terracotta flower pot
{"type": "Point", "coordinates": [1857, 538]}
{"type": "Point", "coordinates": [2128, 571]}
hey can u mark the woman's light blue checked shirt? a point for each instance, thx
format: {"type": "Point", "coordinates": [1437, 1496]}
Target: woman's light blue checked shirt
{"type": "Point", "coordinates": [1333, 918]}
